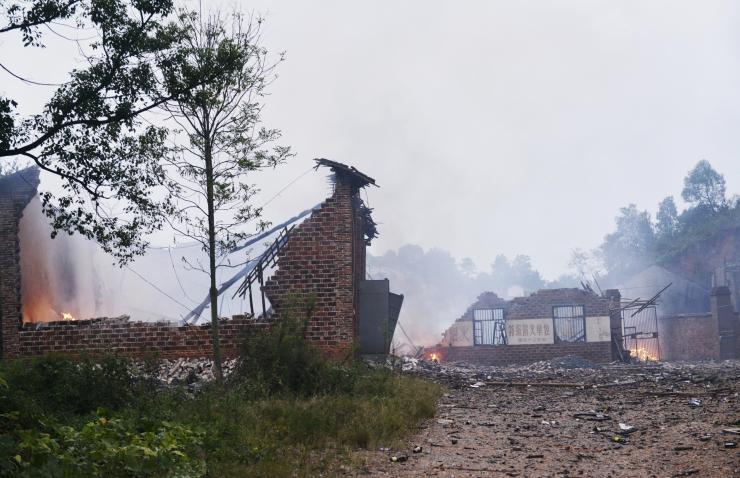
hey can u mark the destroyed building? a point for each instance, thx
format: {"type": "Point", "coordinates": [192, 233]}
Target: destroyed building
{"type": "Point", "coordinates": [693, 320]}
{"type": "Point", "coordinates": [546, 324]}
{"type": "Point", "coordinates": [321, 258]}
{"type": "Point", "coordinates": [554, 323]}
{"type": "Point", "coordinates": [711, 335]}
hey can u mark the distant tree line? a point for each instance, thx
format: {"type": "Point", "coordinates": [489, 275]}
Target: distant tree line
{"type": "Point", "coordinates": [438, 286]}
{"type": "Point", "coordinates": [639, 241]}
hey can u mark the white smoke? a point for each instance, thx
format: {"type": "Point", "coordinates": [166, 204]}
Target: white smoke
{"type": "Point", "coordinates": [70, 274]}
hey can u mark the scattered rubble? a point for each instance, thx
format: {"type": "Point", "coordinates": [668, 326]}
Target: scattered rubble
{"type": "Point", "coordinates": [191, 372]}
{"type": "Point", "coordinates": [570, 417]}
{"type": "Point", "coordinates": [119, 320]}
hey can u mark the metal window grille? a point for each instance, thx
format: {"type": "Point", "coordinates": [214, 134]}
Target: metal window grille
{"type": "Point", "coordinates": [640, 332]}
{"type": "Point", "coordinates": [570, 323]}
{"type": "Point", "coordinates": [489, 327]}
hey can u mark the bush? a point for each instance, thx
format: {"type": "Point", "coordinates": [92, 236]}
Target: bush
{"type": "Point", "coordinates": [287, 412]}
{"type": "Point", "coordinates": [280, 360]}
{"type": "Point", "coordinates": [110, 448]}
{"type": "Point", "coordinates": [65, 386]}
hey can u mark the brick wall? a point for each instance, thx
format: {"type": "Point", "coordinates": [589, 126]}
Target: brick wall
{"type": "Point", "coordinates": [16, 191]}
{"type": "Point", "coordinates": [598, 352]}
{"type": "Point", "coordinates": [711, 336]}
{"type": "Point", "coordinates": [540, 303]}
{"type": "Point", "coordinates": [133, 339]}
{"type": "Point", "coordinates": [688, 337]}
{"type": "Point", "coordinates": [322, 262]}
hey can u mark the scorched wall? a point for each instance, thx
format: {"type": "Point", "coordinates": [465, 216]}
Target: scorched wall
{"type": "Point", "coordinates": [318, 275]}
{"type": "Point", "coordinates": [319, 271]}
{"type": "Point", "coordinates": [16, 191]}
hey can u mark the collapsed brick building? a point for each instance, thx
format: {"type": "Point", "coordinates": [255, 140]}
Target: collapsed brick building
{"type": "Point", "coordinates": [546, 324]}
{"type": "Point", "coordinates": [553, 323]}
{"type": "Point", "coordinates": [321, 258]}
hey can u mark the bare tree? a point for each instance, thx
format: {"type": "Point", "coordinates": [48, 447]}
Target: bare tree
{"type": "Point", "coordinates": [225, 142]}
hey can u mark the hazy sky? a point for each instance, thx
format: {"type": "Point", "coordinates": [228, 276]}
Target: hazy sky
{"type": "Point", "coordinates": [515, 127]}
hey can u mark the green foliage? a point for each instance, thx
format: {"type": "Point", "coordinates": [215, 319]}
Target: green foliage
{"type": "Point", "coordinates": [280, 360]}
{"type": "Point", "coordinates": [90, 133]}
{"type": "Point", "coordinates": [284, 435]}
{"type": "Point", "coordinates": [68, 387]}
{"type": "Point", "coordinates": [300, 416]}
{"type": "Point", "coordinates": [696, 226]}
{"type": "Point", "coordinates": [667, 218]}
{"type": "Point", "coordinates": [226, 141]}
{"type": "Point", "coordinates": [111, 448]}
{"type": "Point", "coordinates": [518, 272]}
{"type": "Point", "coordinates": [635, 244]}
{"type": "Point", "coordinates": [630, 247]}
{"type": "Point", "coordinates": [704, 187]}
{"type": "Point", "coordinates": [29, 16]}
{"type": "Point", "coordinates": [7, 123]}
{"type": "Point", "coordinates": [709, 215]}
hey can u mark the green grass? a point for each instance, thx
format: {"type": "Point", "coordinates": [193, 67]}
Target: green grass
{"type": "Point", "coordinates": [274, 437]}
{"type": "Point", "coordinates": [243, 432]}
{"type": "Point", "coordinates": [286, 411]}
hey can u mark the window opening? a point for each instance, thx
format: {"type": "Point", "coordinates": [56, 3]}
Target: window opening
{"type": "Point", "coordinates": [489, 327]}
{"type": "Point", "coordinates": [570, 323]}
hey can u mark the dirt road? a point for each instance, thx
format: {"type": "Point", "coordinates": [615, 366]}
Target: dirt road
{"type": "Point", "coordinates": [546, 420]}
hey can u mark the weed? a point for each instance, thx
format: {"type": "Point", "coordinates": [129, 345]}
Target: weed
{"type": "Point", "coordinates": [280, 360]}
{"type": "Point", "coordinates": [287, 412]}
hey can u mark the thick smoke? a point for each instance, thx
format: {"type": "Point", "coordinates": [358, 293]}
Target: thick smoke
{"type": "Point", "coordinates": [72, 275]}
{"type": "Point", "coordinates": [57, 276]}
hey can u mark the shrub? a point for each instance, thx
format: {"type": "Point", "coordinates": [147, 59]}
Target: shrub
{"type": "Point", "coordinates": [111, 448]}
{"type": "Point", "coordinates": [287, 412]}
{"type": "Point", "coordinates": [66, 386]}
{"type": "Point", "coordinates": [280, 360]}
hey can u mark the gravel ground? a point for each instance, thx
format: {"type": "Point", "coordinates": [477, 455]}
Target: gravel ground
{"type": "Point", "coordinates": [568, 417]}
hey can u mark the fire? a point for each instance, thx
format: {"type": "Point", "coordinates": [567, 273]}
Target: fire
{"type": "Point", "coordinates": [68, 316]}
{"type": "Point", "coordinates": [434, 358]}
{"type": "Point", "coordinates": [643, 354]}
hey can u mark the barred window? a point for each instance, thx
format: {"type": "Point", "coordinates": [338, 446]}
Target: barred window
{"type": "Point", "coordinates": [570, 323]}
{"type": "Point", "coordinates": [488, 327]}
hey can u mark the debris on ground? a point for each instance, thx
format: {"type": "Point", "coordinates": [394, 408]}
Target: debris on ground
{"type": "Point", "coordinates": [191, 372]}
{"type": "Point", "coordinates": [626, 429]}
{"type": "Point", "coordinates": [570, 417]}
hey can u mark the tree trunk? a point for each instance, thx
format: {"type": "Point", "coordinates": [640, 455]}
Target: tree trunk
{"type": "Point", "coordinates": [213, 291]}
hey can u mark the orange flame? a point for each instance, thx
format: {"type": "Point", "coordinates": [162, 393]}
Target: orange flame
{"type": "Point", "coordinates": [434, 357]}
{"type": "Point", "coordinates": [67, 316]}
{"type": "Point", "coordinates": [643, 354]}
